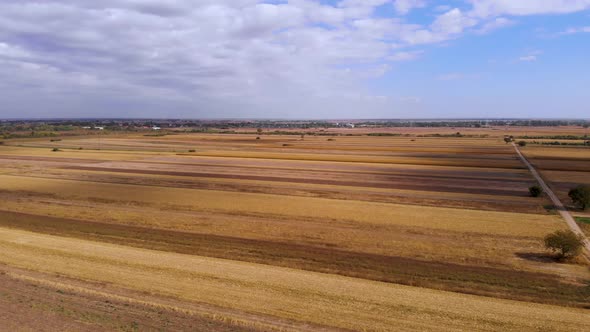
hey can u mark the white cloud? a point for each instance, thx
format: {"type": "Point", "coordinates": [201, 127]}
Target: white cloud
{"type": "Point", "coordinates": [453, 22]}
{"type": "Point", "coordinates": [495, 24]}
{"type": "Point", "coordinates": [220, 55]}
{"type": "Point", "coordinates": [442, 8]}
{"type": "Point", "coordinates": [485, 8]}
{"type": "Point", "coordinates": [528, 58]}
{"type": "Point", "coordinates": [405, 56]}
{"type": "Point", "coordinates": [403, 7]}
{"type": "Point", "coordinates": [572, 31]}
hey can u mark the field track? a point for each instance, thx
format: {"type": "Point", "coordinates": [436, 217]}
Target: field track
{"type": "Point", "coordinates": [226, 232]}
{"type": "Point", "coordinates": [571, 223]}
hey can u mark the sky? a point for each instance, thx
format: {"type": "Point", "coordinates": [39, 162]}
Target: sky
{"type": "Point", "coordinates": [295, 59]}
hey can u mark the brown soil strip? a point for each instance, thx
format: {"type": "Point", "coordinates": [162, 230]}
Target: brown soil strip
{"type": "Point", "coordinates": [57, 159]}
{"type": "Point", "coordinates": [486, 281]}
{"type": "Point", "coordinates": [392, 185]}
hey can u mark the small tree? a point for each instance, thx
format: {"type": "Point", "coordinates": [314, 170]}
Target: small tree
{"type": "Point", "coordinates": [580, 196]}
{"type": "Point", "coordinates": [535, 191]}
{"type": "Point", "coordinates": [507, 139]}
{"type": "Point", "coordinates": [522, 143]}
{"type": "Point", "coordinates": [259, 131]}
{"type": "Point", "coordinates": [565, 244]}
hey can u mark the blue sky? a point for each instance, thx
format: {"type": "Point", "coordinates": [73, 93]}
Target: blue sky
{"type": "Point", "coordinates": [295, 59]}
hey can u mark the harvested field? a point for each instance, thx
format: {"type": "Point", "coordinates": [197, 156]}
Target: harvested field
{"type": "Point", "coordinates": [321, 298]}
{"type": "Point", "coordinates": [563, 167]}
{"type": "Point", "coordinates": [291, 234]}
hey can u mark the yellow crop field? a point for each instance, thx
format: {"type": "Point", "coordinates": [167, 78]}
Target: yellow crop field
{"type": "Point", "coordinates": [322, 299]}
{"type": "Point", "coordinates": [367, 233]}
{"type": "Point", "coordinates": [501, 223]}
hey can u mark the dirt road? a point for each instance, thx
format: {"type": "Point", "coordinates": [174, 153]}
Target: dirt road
{"type": "Point", "coordinates": [556, 202]}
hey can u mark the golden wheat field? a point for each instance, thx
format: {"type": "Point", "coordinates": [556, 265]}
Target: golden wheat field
{"type": "Point", "coordinates": [226, 232]}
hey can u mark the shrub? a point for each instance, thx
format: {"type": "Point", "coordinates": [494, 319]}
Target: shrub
{"type": "Point", "coordinates": [257, 137]}
{"type": "Point", "coordinates": [521, 143]}
{"type": "Point", "coordinates": [192, 150]}
{"type": "Point", "coordinates": [55, 149]}
{"type": "Point", "coordinates": [566, 244]}
{"type": "Point", "coordinates": [331, 139]}
{"type": "Point", "coordinates": [580, 196]}
{"type": "Point", "coordinates": [535, 191]}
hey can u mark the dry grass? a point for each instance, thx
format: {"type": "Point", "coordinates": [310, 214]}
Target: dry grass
{"type": "Point", "coordinates": [358, 206]}
{"type": "Point", "coordinates": [323, 299]}
{"type": "Point", "coordinates": [329, 210]}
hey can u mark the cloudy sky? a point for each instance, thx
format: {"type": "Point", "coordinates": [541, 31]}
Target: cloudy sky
{"type": "Point", "coordinates": [295, 58]}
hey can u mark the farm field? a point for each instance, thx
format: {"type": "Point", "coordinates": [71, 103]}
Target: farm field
{"type": "Point", "coordinates": [230, 232]}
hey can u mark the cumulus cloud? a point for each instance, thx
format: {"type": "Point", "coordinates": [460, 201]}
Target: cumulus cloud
{"type": "Point", "coordinates": [217, 57]}
{"type": "Point", "coordinates": [405, 6]}
{"type": "Point", "coordinates": [495, 24]}
{"type": "Point", "coordinates": [220, 52]}
{"type": "Point", "coordinates": [485, 8]}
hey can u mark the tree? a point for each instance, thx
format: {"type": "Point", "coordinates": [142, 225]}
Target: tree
{"type": "Point", "coordinates": [521, 143]}
{"type": "Point", "coordinates": [565, 244]}
{"type": "Point", "coordinates": [535, 191]}
{"type": "Point", "coordinates": [508, 139]}
{"type": "Point", "coordinates": [259, 131]}
{"type": "Point", "coordinates": [580, 196]}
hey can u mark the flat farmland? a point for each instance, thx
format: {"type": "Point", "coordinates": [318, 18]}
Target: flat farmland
{"type": "Point", "coordinates": [265, 232]}
{"type": "Point", "coordinates": [564, 167]}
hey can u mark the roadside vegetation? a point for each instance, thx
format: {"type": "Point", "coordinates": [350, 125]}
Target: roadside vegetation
{"type": "Point", "coordinates": [564, 244]}
{"type": "Point", "coordinates": [580, 196]}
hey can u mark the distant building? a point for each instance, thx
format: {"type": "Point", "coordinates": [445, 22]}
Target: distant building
{"type": "Point", "coordinates": [156, 128]}
{"type": "Point", "coordinates": [99, 128]}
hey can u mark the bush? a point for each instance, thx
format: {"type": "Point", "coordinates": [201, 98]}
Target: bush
{"type": "Point", "coordinates": [580, 196]}
{"type": "Point", "coordinates": [192, 150]}
{"type": "Point", "coordinates": [521, 143]}
{"type": "Point", "coordinates": [257, 137]}
{"type": "Point", "coordinates": [535, 191]}
{"type": "Point", "coordinates": [55, 149]}
{"type": "Point", "coordinates": [566, 244]}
